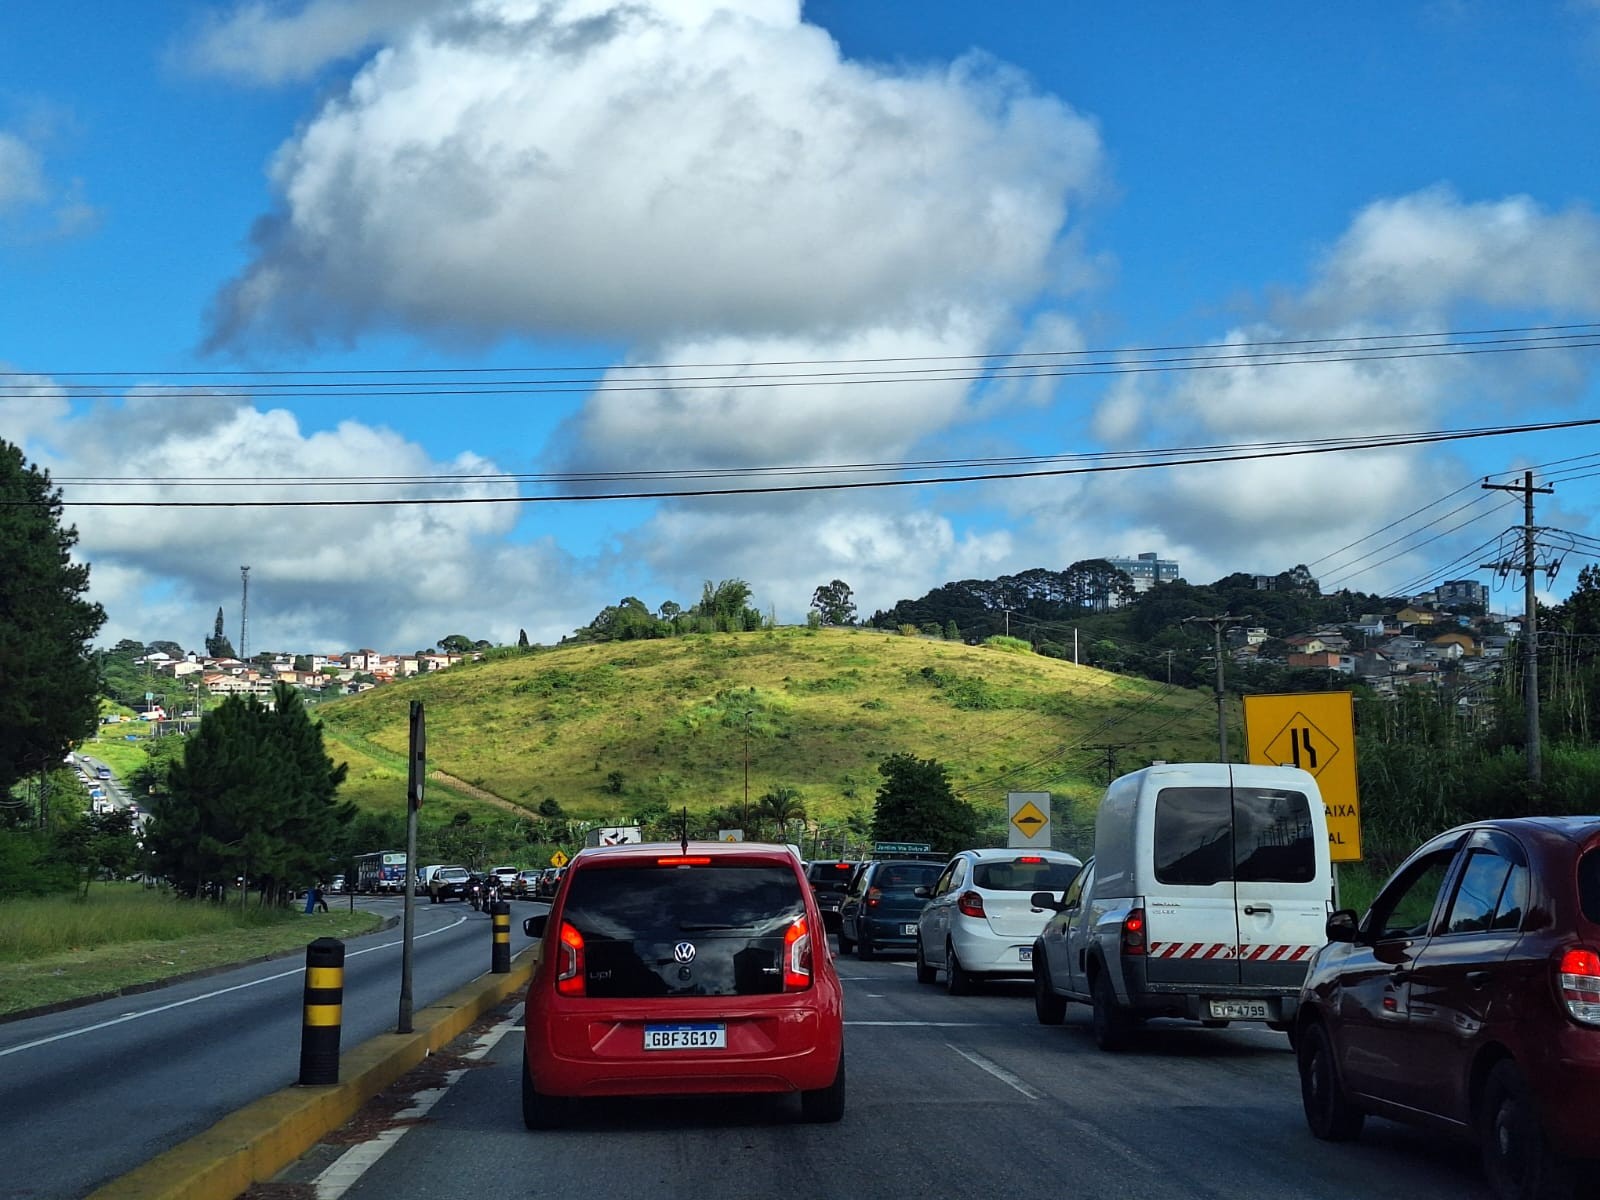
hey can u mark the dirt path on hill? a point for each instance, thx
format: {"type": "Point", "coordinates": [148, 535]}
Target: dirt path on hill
{"type": "Point", "coordinates": [477, 793]}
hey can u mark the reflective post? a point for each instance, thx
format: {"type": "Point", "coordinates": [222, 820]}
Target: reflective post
{"type": "Point", "coordinates": [324, 1012]}
{"type": "Point", "coordinates": [500, 959]}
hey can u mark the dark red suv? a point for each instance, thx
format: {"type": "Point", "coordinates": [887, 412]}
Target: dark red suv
{"type": "Point", "coordinates": [1468, 1000]}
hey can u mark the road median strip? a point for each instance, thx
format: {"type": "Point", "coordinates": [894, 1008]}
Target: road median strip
{"type": "Point", "coordinates": [256, 1142]}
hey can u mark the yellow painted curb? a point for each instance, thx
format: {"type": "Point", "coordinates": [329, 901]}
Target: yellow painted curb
{"type": "Point", "coordinates": [262, 1138]}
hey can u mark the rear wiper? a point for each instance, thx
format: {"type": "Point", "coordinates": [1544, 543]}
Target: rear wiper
{"type": "Point", "coordinates": [687, 927]}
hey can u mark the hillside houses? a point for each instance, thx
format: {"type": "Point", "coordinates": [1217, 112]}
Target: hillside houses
{"type": "Point", "coordinates": [344, 673]}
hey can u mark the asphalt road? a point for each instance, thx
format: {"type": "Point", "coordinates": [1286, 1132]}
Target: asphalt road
{"type": "Point", "coordinates": [92, 1092]}
{"type": "Point", "coordinates": [947, 1097]}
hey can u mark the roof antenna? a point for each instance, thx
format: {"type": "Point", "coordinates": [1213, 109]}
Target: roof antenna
{"type": "Point", "coordinates": [685, 828]}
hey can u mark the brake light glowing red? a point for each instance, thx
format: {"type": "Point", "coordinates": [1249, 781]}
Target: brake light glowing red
{"type": "Point", "coordinates": [970, 904]}
{"type": "Point", "coordinates": [1579, 980]}
{"type": "Point", "coordinates": [797, 956]}
{"type": "Point", "coordinates": [1030, 858]}
{"type": "Point", "coordinates": [1133, 932]}
{"type": "Point", "coordinates": [569, 961]}
{"type": "Point", "coordinates": [873, 896]}
{"type": "Point", "coordinates": [685, 860]}
{"type": "Point", "coordinates": [841, 866]}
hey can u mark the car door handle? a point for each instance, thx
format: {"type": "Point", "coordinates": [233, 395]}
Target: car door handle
{"type": "Point", "coordinates": [1251, 910]}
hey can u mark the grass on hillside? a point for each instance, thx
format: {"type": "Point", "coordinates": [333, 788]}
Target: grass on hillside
{"type": "Point", "coordinates": [55, 949]}
{"type": "Point", "coordinates": [607, 729]}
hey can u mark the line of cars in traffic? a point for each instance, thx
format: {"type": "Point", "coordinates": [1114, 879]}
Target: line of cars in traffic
{"type": "Point", "coordinates": [442, 882]}
{"type": "Point", "coordinates": [1466, 1000]}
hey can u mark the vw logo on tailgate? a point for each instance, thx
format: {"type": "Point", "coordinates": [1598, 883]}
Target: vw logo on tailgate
{"type": "Point", "coordinates": [683, 952]}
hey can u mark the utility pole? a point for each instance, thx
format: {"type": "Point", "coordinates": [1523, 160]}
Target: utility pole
{"type": "Point", "coordinates": [745, 820]}
{"type": "Point", "coordinates": [1530, 612]}
{"type": "Point", "coordinates": [244, 614]}
{"type": "Point", "coordinates": [1217, 624]}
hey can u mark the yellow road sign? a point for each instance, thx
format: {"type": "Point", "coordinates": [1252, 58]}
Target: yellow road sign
{"type": "Point", "coordinates": [1314, 731]}
{"type": "Point", "coordinates": [558, 859]}
{"type": "Point", "coordinates": [1030, 818]}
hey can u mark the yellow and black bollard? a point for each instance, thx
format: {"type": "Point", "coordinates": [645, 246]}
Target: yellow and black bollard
{"type": "Point", "coordinates": [324, 1012]}
{"type": "Point", "coordinates": [500, 959]}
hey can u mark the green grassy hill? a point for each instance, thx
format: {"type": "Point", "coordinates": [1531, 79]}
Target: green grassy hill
{"type": "Point", "coordinates": [608, 729]}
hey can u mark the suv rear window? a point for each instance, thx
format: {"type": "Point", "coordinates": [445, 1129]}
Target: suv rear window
{"type": "Point", "coordinates": [1263, 836]}
{"type": "Point", "coordinates": [634, 920]}
{"type": "Point", "coordinates": [1589, 885]}
{"type": "Point", "coordinates": [902, 877]}
{"type": "Point", "coordinates": [836, 876]}
{"type": "Point", "coordinates": [1008, 875]}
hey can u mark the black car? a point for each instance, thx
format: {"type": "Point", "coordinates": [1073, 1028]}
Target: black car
{"type": "Point", "coordinates": [830, 879]}
{"type": "Point", "coordinates": [880, 910]}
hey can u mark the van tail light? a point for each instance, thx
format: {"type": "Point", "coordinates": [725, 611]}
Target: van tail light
{"type": "Point", "coordinates": [970, 904]}
{"type": "Point", "coordinates": [1133, 932]}
{"type": "Point", "coordinates": [873, 896]}
{"type": "Point", "coordinates": [797, 956]}
{"type": "Point", "coordinates": [569, 961]}
{"type": "Point", "coordinates": [1579, 978]}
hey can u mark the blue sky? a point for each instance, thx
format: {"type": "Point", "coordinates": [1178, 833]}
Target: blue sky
{"type": "Point", "coordinates": [191, 191]}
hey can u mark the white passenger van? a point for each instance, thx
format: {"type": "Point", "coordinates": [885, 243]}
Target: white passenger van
{"type": "Point", "coordinates": [1208, 894]}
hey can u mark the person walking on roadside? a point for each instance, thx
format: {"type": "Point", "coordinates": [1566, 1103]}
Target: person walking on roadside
{"type": "Point", "coordinates": [321, 894]}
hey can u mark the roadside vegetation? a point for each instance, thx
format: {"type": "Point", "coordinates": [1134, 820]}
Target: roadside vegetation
{"type": "Point", "coordinates": [60, 948]}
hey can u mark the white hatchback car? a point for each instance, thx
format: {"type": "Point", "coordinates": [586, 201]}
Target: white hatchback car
{"type": "Point", "coordinates": [980, 921]}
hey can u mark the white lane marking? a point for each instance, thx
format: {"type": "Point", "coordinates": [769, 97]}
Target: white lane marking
{"type": "Point", "coordinates": [341, 1174]}
{"type": "Point", "coordinates": [999, 1072]}
{"type": "Point", "coordinates": [150, 1012]}
{"type": "Point", "coordinates": [926, 1024]}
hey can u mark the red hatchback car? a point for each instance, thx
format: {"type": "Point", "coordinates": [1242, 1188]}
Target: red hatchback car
{"type": "Point", "coordinates": [1468, 999]}
{"type": "Point", "coordinates": [693, 969]}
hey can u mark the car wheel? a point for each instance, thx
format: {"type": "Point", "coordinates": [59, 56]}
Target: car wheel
{"type": "Point", "coordinates": [958, 980]}
{"type": "Point", "coordinates": [865, 952]}
{"type": "Point", "coordinates": [1329, 1112]}
{"type": "Point", "coordinates": [1517, 1160]}
{"type": "Point", "coordinates": [845, 944]}
{"type": "Point", "coordinates": [1113, 1026]}
{"type": "Point", "coordinates": [1050, 1008]}
{"type": "Point", "coordinates": [825, 1105]}
{"type": "Point", "coordinates": [539, 1111]}
{"type": "Point", "coordinates": [925, 973]}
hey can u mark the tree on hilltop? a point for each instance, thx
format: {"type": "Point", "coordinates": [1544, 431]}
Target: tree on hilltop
{"type": "Point", "coordinates": [835, 602]}
{"type": "Point", "coordinates": [217, 645]}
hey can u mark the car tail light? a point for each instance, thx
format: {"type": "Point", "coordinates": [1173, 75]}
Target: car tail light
{"type": "Point", "coordinates": [1580, 984]}
{"type": "Point", "coordinates": [1029, 858]}
{"type": "Point", "coordinates": [873, 896]}
{"type": "Point", "coordinates": [841, 866]}
{"type": "Point", "coordinates": [970, 904]}
{"type": "Point", "coordinates": [684, 860]}
{"type": "Point", "coordinates": [569, 961]}
{"type": "Point", "coordinates": [797, 956]}
{"type": "Point", "coordinates": [1133, 932]}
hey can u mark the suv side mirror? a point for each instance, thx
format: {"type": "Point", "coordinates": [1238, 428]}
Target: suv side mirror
{"type": "Point", "coordinates": [922, 891]}
{"type": "Point", "coordinates": [1045, 900]}
{"type": "Point", "coordinates": [534, 926]}
{"type": "Point", "coordinates": [1342, 926]}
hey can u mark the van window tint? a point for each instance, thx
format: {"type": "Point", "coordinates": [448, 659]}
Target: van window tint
{"type": "Point", "coordinates": [1273, 836]}
{"type": "Point", "coordinates": [633, 918]}
{"type": "Point", "coordinates": [1192, 843]}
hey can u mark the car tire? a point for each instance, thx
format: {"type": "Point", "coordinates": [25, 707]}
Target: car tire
{"type": "Point", "coordinates": [540, 1111]}
{"type": "Point", "coordinates": [1518, 1162]}
{"type": "Point", "coordinates": [1113, 1024]}
{"type": "Point", "coordinates": [958, 981]}
{"type": "Point", "coordinates": [1050, 1008]}
{"type": "Point", "coordinates": [1329, 1113]}
{"type": "Point", "coordinates": [825, 1105]}
{"type": "Point", "coordinates": [865, 952]}
{"type": "Point", "coordinates": [846, 945]}
{"type": "Point", "coordinates": [925, 973]}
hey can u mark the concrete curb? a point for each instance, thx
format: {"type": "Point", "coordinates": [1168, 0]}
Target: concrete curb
{"type": "Point", "coordinates": [258, 1141]}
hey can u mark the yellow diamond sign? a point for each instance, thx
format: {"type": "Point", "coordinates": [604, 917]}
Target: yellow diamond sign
{"type": "Point", "coordinates": [558, 859]}
{"type": "Point", "coordinates": [1030, 819]}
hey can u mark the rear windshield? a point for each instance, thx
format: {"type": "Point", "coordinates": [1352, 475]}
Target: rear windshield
{"type": "Point", "coordinates": [1589, 885]}
{"type": "Point", "coordinates": [1016, 875]}
{"type": "Point", "coordinates": [453, 874]}
{"type": "Point", "coordinates": [903, 877]}
{"type": "Point", "coordinates": [1252, 835]}
{"type": "Point", "coordinates": [835, 875]}
{"type": "Point", "coordinates": [684, 931]}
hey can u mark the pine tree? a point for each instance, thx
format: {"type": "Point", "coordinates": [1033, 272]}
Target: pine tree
{"type": "Point", "coordinates": [218, 646]}
{"type": "Point", "coordinates": [49, 685]}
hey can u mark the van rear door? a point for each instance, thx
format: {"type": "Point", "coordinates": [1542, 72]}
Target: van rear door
{"type": "Point", "coordinates": [1281, 874]}
{"type": "Point", "coordinates": [1190, 906]}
